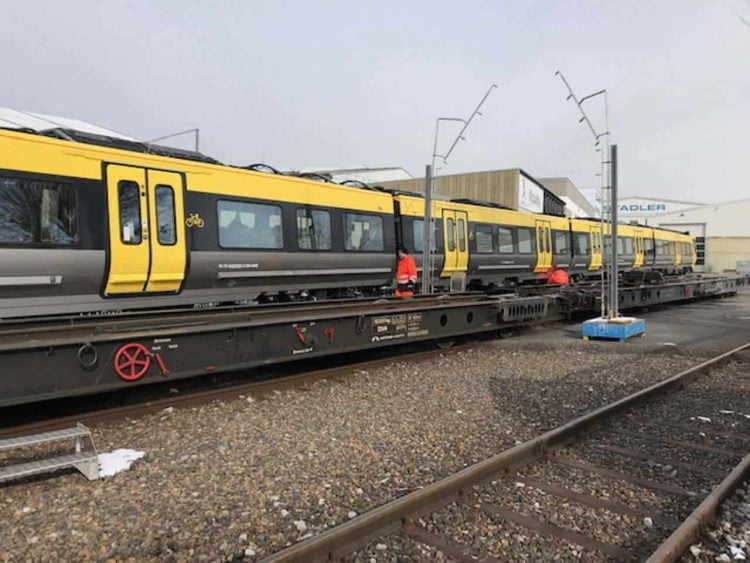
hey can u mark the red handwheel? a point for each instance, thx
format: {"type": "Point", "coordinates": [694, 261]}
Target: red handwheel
{"type": "Point", "coordinates": [132, 361]}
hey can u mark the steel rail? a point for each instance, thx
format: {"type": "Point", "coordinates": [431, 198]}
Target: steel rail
{"type": "Point", "coordinates": [690, 530]}
{"type": "Point", "coordinates": [257, 388]}
{"type": "Point", "coordinates": [394, 515]}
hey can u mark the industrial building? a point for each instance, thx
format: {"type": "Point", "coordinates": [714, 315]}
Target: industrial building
{"type": "Point", "coordinates": [513, 188]}
{"type": "Point", "coordinates": [721, 230]}
{"type": "Point", "coordinates": [576, 204]}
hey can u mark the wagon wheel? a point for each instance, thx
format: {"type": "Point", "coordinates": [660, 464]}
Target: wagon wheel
{"type": "Point", "coordinates": [132, 361]}
{"type": "Point", "coordinates": [445, 343]}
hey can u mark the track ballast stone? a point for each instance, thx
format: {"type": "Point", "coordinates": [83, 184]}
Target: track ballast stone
{"type": "Point", "coordinates": [245, 478]}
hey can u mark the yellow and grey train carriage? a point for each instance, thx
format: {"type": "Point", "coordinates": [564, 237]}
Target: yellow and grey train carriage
{"type": "Point", "coordinates": [93, 224]}
{"type": "Point", "coordinates": [495, 247]}
{"type": "Point", "coordinates": [492, 246]}
{"type": "Point", "coordinates": [643, 247]}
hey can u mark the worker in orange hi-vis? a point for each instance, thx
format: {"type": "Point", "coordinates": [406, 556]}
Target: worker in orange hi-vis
{"type": "Point", "coordinates": [406, 274]}
{"type": "Point", "coordinates": [558, 276]}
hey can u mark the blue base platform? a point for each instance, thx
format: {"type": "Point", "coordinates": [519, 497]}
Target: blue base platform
{"type": "Point", "coordinates": [620, 328]}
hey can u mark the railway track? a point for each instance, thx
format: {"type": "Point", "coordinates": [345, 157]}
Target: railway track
{"type": "Point", "coordinates": [614, 484]}
{"type": "Point", "coordinates": [93, 417]}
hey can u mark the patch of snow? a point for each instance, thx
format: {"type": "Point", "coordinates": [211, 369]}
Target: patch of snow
{"type": "Point", "coordinates": [703, 418]}
{"type": "Point", "coordinates": [112, 463]}
{"type": "Point", "coordinates": [726, 412]}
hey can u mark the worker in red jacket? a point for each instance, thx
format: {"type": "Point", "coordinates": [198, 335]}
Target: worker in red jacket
{"type": "Point", "coordinates": [406, 274]}
{"type": "Point", "coordinates": [558, 276]}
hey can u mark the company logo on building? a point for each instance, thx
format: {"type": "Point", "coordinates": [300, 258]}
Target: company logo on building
{"type": "Point", "coordinates": [530, 197]}
{"type": "Point", "coordinates": [640, 207]}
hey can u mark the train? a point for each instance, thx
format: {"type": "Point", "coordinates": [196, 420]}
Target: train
{"type": "Point", "coordinates": [91, 224]}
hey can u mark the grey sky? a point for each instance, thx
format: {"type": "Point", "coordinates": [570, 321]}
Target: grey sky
{"type": "Point", "coordinates": [328, 83]}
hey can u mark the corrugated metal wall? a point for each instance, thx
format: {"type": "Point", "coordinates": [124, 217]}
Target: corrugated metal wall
{"type": "Point", "coordinates": [497, 186]}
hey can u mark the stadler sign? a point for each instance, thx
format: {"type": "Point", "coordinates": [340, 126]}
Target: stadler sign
{"type": "Point", "coordinates": [640, 207]}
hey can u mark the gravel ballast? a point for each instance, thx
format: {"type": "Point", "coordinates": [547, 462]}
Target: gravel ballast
{"type": "Point", "coordinates": [244, 478]}
{"type": "Point", "coordinates": [729, 539]}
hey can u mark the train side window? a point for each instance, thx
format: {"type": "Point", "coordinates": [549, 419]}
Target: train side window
{"type": "Point", "coordinates": [165, 219]}
{"type": "Point", "coordinates": [249, 225]}
{"type": "Point", "coordinates": [483, 236]}
{"type": "Point", "coordinates": [451, 233]}
{"type": "Point", "coordinates": [363, 232]}
{"type": "Point", "coordinates": [648, 246]}
{"type": "Point", "coordinates": [313, 229]}
{"type": "Point", "coordinates": [418, 235]}
{"type": "Point", "coordinates": [461, 235]}
{"type": "Point", "coordinates": [504, 240]}
{"type": "Point", "coordinates": [541, 240]}
{"type": "Point", "coordinates": [628, 245]}
{"type": "Point", "coordinates": [620, 246]}
{"type": "Point", "coordinates": [561, 242]}
{"type": "Point", "coordinates": [659, 247]}
{"type": "Point", "coordinates": [582, 244]}
{"type": "Point", "coordinates": [524, 241]}
{"type": "Point", "coordinates": [128, 195]}
{"type": "Point", "coordinates": [37, 212]}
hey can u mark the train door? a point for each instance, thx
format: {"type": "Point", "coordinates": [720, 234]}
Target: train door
{"type": "Point", "coordinates": [638, 249]}
{"type": "Point", "coordinates": [543, 246]}
{"type": "Point", "coordinates": [147, 248]}
{"type": "Point", "coordinates": [456, 242]}
{"type": "Point", "coordinates": [595, 243]}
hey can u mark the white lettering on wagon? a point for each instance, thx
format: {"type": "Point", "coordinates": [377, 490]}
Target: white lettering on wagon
{"type": "Point", "coordinates": [237, 266]}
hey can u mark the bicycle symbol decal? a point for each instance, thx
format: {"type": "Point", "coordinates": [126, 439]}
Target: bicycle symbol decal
{"type": "Point", "coordinates": [195, 220]}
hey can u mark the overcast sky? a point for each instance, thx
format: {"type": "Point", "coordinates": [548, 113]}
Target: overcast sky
{"type": "Point", "coordinates": [335, 83]}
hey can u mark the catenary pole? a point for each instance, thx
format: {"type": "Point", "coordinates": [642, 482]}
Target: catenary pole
{"type": "Point", "coordinates": [614, 296]}
{"type": "Point", "coordinates": [429, 227]}
{"type": "Point", "coordinates": [605, 183]}
{"type": "Point", "coordinates": [427, 235]}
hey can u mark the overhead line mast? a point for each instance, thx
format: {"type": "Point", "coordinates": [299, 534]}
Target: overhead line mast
{"type": "Point", "coordinates": [429, 226]}
{"type": "Point", "coordinates": [609, 296]}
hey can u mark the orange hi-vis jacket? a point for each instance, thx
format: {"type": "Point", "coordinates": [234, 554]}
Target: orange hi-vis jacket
{"type": "Point", "coordinates": [559, 277]}
{"type": "Point", "coordinates": [407, 270]}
